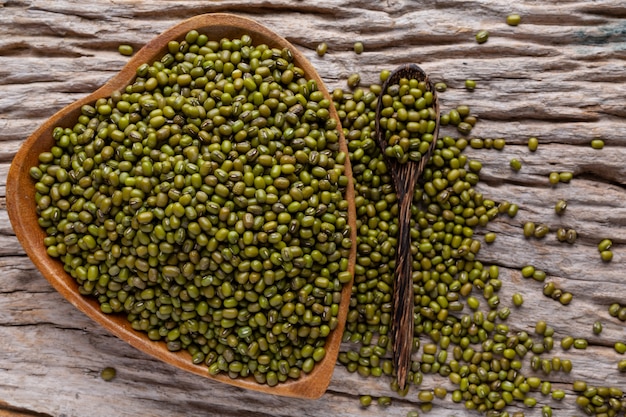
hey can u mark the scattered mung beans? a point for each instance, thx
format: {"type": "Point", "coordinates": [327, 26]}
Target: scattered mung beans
{"type": "Point", "coordinates": [515, 164]}
{"type": "Point", "coordinates": [358, 48]}
{"type": "Point", "coordinates": [470, 84]}
{"type": "Point", "coordinates": [533, 144]}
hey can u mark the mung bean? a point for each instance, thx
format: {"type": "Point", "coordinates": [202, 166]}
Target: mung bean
{"type": "Point", "coordinates": [513, 19]}
{"type": "Point", "coordinates": [482, 36]}
{"type": "Point", "coordinates": [358, 48]}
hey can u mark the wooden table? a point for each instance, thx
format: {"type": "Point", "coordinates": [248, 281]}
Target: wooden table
{"type": "Point", "coordinates": [560, 76]}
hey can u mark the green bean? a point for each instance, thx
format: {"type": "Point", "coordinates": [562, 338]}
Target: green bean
{"type": "Point", "coordinates": [482, 36]}
{"type": "Point", "coordinates": [321, 49]}
{"type": "Point", "coordinates": [560, 207]}
{"type": "Point", "coordinates": [529, 229]}
{"type": "Point", "coordinates": [513, 19]}
{"type": "Point", "coordinates": [358, 47]}
{"type": "Point", "coordinates": [108, 374]}
{"type": "Point", "coordinates": [126, 50]}
{"type": "Point", "coordinates": [597, 144]}
{"type": "Point", "coordinates": [441, 87]}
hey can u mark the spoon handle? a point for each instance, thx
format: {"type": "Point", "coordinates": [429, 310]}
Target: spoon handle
{"type": "Point", "coordinates": [403, 297]}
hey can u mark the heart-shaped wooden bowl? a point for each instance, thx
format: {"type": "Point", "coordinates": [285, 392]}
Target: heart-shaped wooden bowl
{"type": "Point", "coordinates": [20, 192]}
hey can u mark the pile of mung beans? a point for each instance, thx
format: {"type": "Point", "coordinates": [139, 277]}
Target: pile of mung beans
{"type": "Point", "coordinates": [205, 202]}
{"type": "Point", "coordinates": [408, 120]}
{"type": "Point", "coordinates": [461, 332]}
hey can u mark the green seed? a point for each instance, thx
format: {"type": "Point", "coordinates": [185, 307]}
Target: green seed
{"type": "Point", "coordinates": [606, 255]}
{"type": "Point", "coordinates": [546, 411]}
{"type": "Point", "coordinates": [515, 164]}
{"type": "Point", "coordinates": [440, 392]}
{"type": "Point", "coordinates": [597, 327]}
{"type": "Point", "coordinates": [441, 87]}
{"type": "Point", "coordinates": [470, 85]}
{"type": "Point", "coordinates": [126, 50]}
{"type": "Point", "coordinates": [354, 80]}
{"type": "Point", "coordinates": [528, 271]}
{"type": "Point", "coordinates": [560, 207]}
{"type": "Point", "coordinates": [482, 36]}
{"type": "Point", "coordinates": [567, 342]}
{"type": "Point", "coordinates": [490, 237]}
{"type": "Point", "coordinates": [365, 400]}
{"type": "Point", "coordinates": [620, 347]}
{"type": "Point", "coordinates": [565, 176]}
{"type": "Point", "coordinates": [621, 365]}
{"type": "Point", "coordinates": [518, 299]}
{"type": "Point", "coordinates": [554, 178]}
{"type": "Point", "coordinates": [571, 236]}
{"type": "Point", "coordinates": [529, 229]}
{"type": "Point", "coordinates": [597, 144]}
{"type": "Point", "coordinates": [580, 344]}
{"type": "Point", "coordinates": [425, 396]}
{"type": "Point", "coordinates": [358, 48]}
{"type": "Point", "coordinates": [539, 275]}
{"type": "Point", "coordinates": [566, 298]}
{"type": "Point", "coordinates": [530, 402]}
{"type": "Point", "coordinates": [384, 401]}
{"type": "Point", "coordinates": [605, 244]}
{"type": "Point", "coordinates": [533, 144]}
{"type": "Point", "coordinates": [513, 19]}
{"type": "Point", "coordinates": [540, 327]}
{"type": "Point", "coordinates": [321, 49]}
{"type": "Point", "coordinates": [108, 373]}
{"type": "Point", "coordinates": [541, 230]}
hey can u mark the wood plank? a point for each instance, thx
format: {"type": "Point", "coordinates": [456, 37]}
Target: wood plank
{"type": "Point", "coordinates": [559, 76]}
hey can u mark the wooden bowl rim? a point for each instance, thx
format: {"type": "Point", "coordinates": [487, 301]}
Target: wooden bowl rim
{"type": "Point", "coordinates": [21, 205]}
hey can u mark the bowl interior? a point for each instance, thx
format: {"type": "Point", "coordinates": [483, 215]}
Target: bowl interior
{"type": "Point", "coordinates": [22, 213]}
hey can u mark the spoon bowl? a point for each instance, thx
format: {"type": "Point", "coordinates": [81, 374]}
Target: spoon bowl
{"type": "Point", "coordinates": [21, 206]}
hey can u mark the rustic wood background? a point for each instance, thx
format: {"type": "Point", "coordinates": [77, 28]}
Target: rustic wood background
{"type": "Point", "coordinates": [560, 76]}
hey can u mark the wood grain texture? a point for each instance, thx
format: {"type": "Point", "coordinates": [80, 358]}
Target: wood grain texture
{"type": "Point", "coordinates": [559, 76]}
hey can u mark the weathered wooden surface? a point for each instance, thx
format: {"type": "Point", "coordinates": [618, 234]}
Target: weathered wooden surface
{"type": "Point", "coordinates": [560, 76]}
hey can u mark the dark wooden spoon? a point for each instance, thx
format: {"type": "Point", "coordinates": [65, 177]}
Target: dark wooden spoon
{"type": "Point", "coordinates": [405, 176]}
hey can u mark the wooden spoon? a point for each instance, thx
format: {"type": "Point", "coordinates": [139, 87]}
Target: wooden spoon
{"type": "Point", "coordinates": [21, 207]}
{"type": "Point", "coordinates": [405, 177]}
